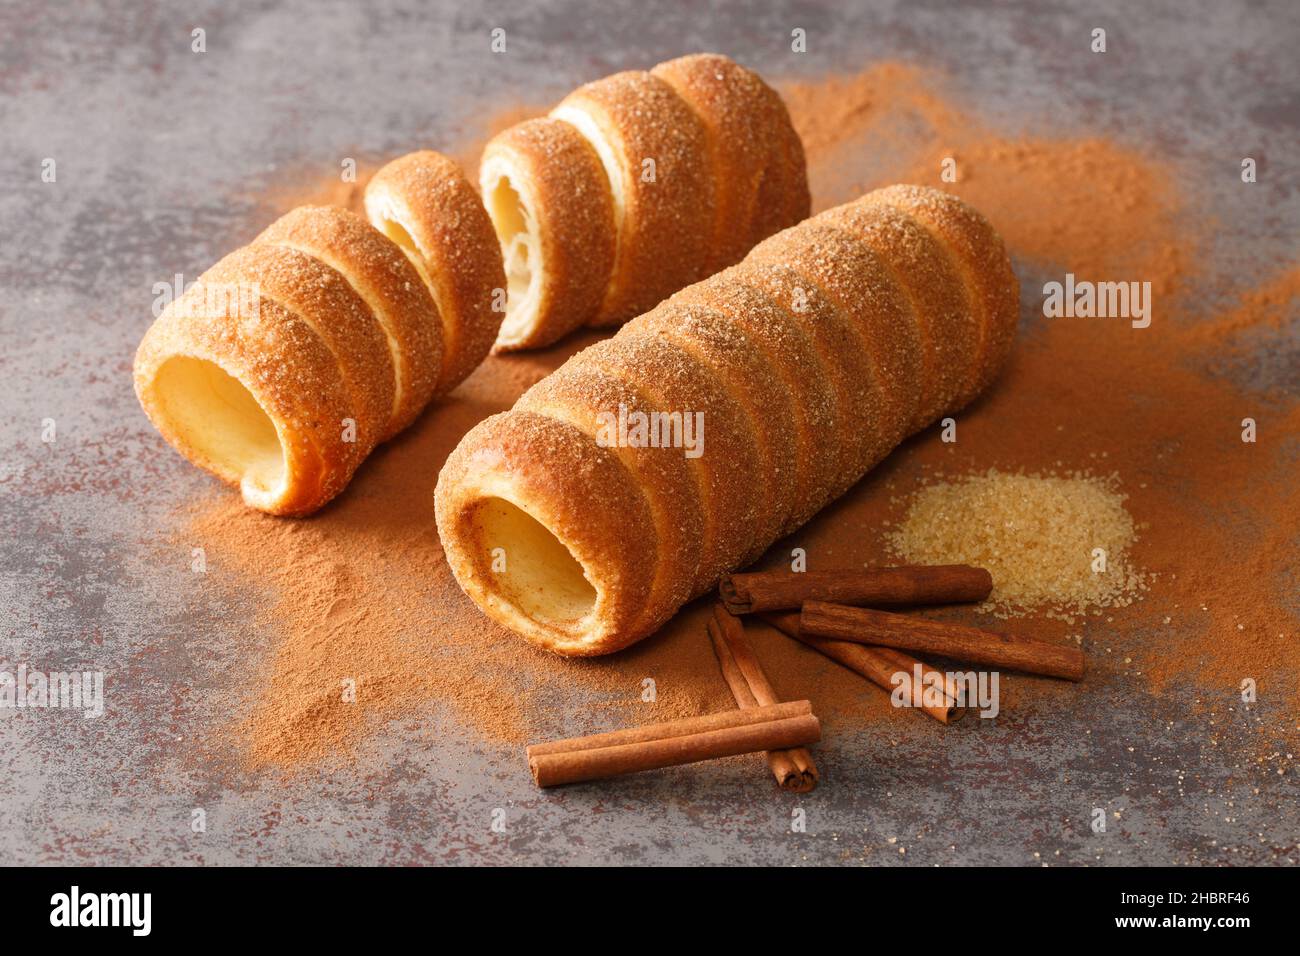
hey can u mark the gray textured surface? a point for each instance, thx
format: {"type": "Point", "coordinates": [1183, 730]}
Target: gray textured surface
{"type": "Point", "coordinates": [161, 155]}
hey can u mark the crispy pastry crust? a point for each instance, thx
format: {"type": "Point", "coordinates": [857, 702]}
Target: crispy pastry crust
{"type": "Point", "coordinates": [655, 152]}
{"type": "Point", "coordinates": [288, 370]}
{"type": "Point", "coordinates": [811, 359]}
{"type": "Point", "coordinates": [583, 495]}
{"type": "Point", "coordinates": [866, 294]}
{"type": "Point", "coordinates": [584, 395]}
{"type": "Point", "coordinates": [992, 292]}
{"type": "Point", "coordinates": [746, 373]}
{"type": "Point", "coordinates": [293, 357]}
{"type": "Point", "coordinates": [755, 156]}
{"type": "Point", "coordinates": [549, 198]}
{"type": "Point", "coordinates": [791, 349]}
{"type": "Point", "coordinates": [319, 296]}
{"type": "Point", "coordinates": [695, 162]}
{"type": "Point", "coordinates": [385, 279]}
{"type": "Point", "coordinates": [925, 272]}
{"type": "Point", "coordinates": [425, 204]}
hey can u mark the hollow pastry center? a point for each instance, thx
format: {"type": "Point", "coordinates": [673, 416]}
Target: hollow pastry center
{"type": "Point", "coordinates": [520, 251]}
{"type": "Point", "coordinates": [216, 415]}
{"type": "Point", "coordinates": [529, 567]}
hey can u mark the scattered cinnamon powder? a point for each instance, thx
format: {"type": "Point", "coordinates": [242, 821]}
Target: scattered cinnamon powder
{"type": "Point", "coordinates": [361, 592]}
{"type": "Point", "coordinates": [1037, 535]}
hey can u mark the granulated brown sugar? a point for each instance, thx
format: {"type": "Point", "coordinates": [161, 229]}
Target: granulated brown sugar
{"type": "Point", "coordinates": [361, 591]}
{"type": "Point", "coordinates": [1037, 535]}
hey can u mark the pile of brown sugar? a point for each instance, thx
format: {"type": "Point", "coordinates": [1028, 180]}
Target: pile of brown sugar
{"type": "Point", "coordinates": [1057, 544]}
{"type": "Point", "coordinates": [361, 592]}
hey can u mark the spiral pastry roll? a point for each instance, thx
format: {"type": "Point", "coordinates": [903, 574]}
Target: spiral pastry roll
{"type": "Point", "coordinates": [635, 186]}
{"type": "Point", "coordinates": [633, 477]}
{"type": "Point", "coordinates": [288, 361]}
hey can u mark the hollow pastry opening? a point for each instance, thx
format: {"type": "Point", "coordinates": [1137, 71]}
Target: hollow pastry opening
{"type": "Point", "coordinates": [211, 412]}
{"type": "Point", "coordinates": [520, 251]}
{"type": "Point", "coordinates": [400, 236]}
{"type": "Point", "coordinates": [385, 214]}
{"type": "Point", "coordinates": [527, 567]}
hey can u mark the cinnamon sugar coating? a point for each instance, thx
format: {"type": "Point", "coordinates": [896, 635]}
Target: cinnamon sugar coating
{"type": "Point", "coordinates": [552, 169]}
{"type": "Point", "coordinates": [696, 161]}
{"type": "Point", "coordinates": [586, 499]}
{"type": "Point", "coordinates": [322, 299]}
{"type": "Point", "coordinates": [992, 291]}
{"type": "Point", "coordinates": [378, 271]}
{"type": "Point", "coordinates": [923, 269]}
{"type": "Point", "coordinates": [664, 193]}
{"type": "Point", "coordinates": [755, 156]}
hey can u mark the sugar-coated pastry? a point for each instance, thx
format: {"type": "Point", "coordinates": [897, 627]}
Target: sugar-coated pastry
{"type": "Point", "coordinates": [549, 198]}
{"type": "Point", "coordinates": [423, 203]}
{"type": "Point", "coordinates": [980, 257]}
{"type": "Point", "coordinates": [800, 368]}
{"type": "Point", "coordinates": [288, 361]}
{"type": "Point", "coordinates": [755, 157]}
{"type": "Point", "coordinates": [655, 152]}
{"type": "Point", "coordinates": [385, 279]}
{"type": "Point", "coordinates": [647, 181]}
{"type": "Point", "coordinates": [252, 394]}
{"type": "Point", "coordinates": [549, 525]}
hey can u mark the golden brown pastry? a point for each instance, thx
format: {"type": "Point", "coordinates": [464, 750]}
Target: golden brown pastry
{"type": "Point", "coordinates": [423, 203]}
{"type": "Point", "coordinates": [587, 515]}
{"type": "Point", "coordinates": [655, 152]}
{"type": "Point", "coordinates": [755, 156]}
{"type": "Point", "coordinates": [550, 202]}
{"type": "Point", "coordinates": [289, 360]}
{"type": "Point", "coordinates": [393, 291]}
{"type": "Point", "coordinates": [675, 173]}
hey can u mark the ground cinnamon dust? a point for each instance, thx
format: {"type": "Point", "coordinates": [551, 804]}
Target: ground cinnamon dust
{"type": "Point", "coordinates": [361, 593]}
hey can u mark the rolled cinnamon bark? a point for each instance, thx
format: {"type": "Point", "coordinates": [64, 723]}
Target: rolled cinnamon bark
{"type": "Point", "coordinates": [907, 584]}
{"type": "Point", "coordinates": [794, 769]}
{"type": "Point", "coordinates": [900, 631]}
{"type": "Point", "coordinates": [880, 665]}
{"type": "Point", "coordinates": [775, 727]}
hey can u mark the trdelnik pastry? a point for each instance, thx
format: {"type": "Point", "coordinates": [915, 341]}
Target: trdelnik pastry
{"type": "Point", "coordinates": [635, 186]}
{"type": "Point", "coordinates": [810, 361]}
{"type": "Point", "coordinates": [288, 361]}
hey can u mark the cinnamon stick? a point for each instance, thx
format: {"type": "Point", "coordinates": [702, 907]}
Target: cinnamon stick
{"type": "Point", "coordinates": [794, 769]}
{"type": "Point", "coordinates": [906, 584]}
{"type": "Point", "coordinates": [878, 665]}
{"type": "Point", "coordinates": [863, 626]}
{"type": "Point", "coordinates": [774, 727]}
